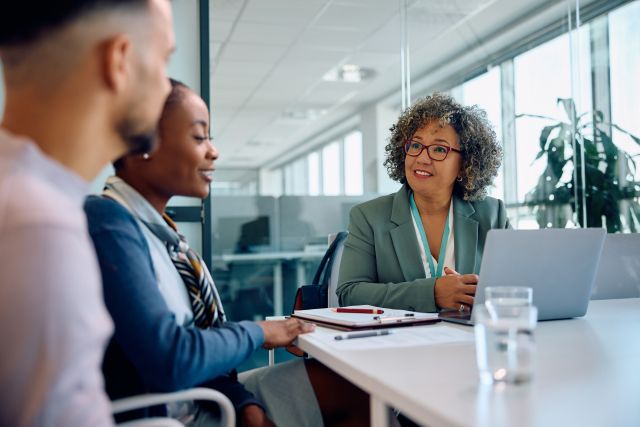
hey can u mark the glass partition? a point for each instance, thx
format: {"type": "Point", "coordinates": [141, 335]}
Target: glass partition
{"type": "Point", "coordinates": [624, 68]}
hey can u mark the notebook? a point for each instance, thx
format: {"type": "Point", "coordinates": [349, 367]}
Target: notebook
{"type": "Point", "coordinates": [389, 318]}
{"type": "Point", "coordinates": [559, 264]}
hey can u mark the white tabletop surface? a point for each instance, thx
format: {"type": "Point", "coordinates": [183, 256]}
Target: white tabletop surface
{"type": "Point", "coordinates": [587, 372]}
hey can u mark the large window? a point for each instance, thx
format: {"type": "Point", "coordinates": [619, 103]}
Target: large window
{"type": "Point", "coordinates": [548, 86]}
{"type": "Point", "coordinates": [542, 76]}
{"type": "Point", "coordinates": [353, 173]}
{"type": "Point", "coordinates": [624, 62]}
{"type": "Point", "coordinates": [481, 91]}
{"type": "Point", "coordinates": [313, 161]}
{"type": "Point", "coordinates": [331, 170]}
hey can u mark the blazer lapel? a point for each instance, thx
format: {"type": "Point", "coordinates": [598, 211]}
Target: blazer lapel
{"type": "Point", "coordinates": [466, 236]}
{"type": "Point", "coordinates": [404, 238]}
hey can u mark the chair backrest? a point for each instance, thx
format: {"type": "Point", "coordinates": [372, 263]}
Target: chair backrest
{"type": "Point", "coordinates": [332, 297]}
{"type": "Point", "coordinates": [318, 294]}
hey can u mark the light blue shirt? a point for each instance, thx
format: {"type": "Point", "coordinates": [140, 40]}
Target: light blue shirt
{"type": "Point", "coordinates": [54, 326]}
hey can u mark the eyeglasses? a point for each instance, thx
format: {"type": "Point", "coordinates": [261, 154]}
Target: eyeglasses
{"type": "Point", "coordinates": [435, 152]}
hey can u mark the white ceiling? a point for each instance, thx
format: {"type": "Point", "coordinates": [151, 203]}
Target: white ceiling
{"type": "Point", "coordinates": [268, 58]}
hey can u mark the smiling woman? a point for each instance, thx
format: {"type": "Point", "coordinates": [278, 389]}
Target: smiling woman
{"type": "Point", "coordinates": [171, 331]}
{"type": "Point", "coordinates": [420, 248]}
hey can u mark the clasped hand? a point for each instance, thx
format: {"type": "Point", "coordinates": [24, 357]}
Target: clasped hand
{"type": "Point", "coordinates": [455, 290]}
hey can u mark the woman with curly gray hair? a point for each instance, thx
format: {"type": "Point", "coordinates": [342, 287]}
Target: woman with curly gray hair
{"type": "Point", "coordinates": [420, 248]}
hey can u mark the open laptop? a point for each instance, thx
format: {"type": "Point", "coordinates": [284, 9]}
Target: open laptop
{"type": "Point", "coordinates": [619, 269]}
{"type": "Point", "coordinates": [559, 264]}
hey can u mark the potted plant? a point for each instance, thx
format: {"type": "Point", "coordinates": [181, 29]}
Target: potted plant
{"type": "Point", "coordinates": [608, 174]}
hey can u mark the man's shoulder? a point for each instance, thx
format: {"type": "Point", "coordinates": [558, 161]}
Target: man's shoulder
{"type": "Point", "coordinates": [35, 190]}
{"type": "Point", "coordinates": [28, 200]}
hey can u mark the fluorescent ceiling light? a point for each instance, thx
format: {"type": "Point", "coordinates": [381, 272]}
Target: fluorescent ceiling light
{"type": "Point", "coordinates": [349, 73]}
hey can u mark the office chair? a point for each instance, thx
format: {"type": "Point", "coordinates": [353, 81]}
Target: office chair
{"type": "Point", "coordinates": [327, 273]}
{"type": "Point", "coordinates": [227, 413]}
{"type": "Point", "coordinates": [332, 297]}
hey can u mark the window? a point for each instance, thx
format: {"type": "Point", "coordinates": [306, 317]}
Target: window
{"type": "Point", "coordinates": [331, 169]}
{"type": "Point", "coordinates": [624, 69]}
{"type": "Point", "coordinates": [482, 91]}
{"type": "Point", "coordinates": [542, 75]}
{"type": "Point", "coordinates": [313, 160]}
{"type": "Point", "coordinates": [624, 50]}
{"type": "Point", "coordinates": [353, 173]}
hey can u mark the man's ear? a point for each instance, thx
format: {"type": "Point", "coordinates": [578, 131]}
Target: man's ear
{"type": "Point", "coordinates": [117, 62]}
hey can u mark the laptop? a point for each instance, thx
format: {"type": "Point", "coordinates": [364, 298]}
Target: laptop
{"type": "Point", "coordinates": [619, 269]}
{"type": "Point", "coordinates": [559, 264]}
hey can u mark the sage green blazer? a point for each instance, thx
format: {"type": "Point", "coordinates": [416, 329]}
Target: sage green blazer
{"type": "Point", "coordinates": [381, 262]}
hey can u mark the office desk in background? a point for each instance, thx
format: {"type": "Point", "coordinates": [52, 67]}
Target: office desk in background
{"type": "Point", "coordinates": [587, 374]}
{"type": "Point", "coordinates": [275, 259]}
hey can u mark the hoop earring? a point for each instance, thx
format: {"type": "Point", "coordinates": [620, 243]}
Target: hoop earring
{"type": "Point", "coordinates": [459, 179]}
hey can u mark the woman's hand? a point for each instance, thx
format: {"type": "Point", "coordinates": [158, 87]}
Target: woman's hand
{"type": "Point", "coordinates": [254, 416]}
{"type": "Point", "coordinates": [280, 333]}
{"type": "Point", "coordinates": [455, 290]}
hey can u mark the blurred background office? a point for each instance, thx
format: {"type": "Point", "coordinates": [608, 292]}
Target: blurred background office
{"type": "Point", "coordinates": [303, 93]}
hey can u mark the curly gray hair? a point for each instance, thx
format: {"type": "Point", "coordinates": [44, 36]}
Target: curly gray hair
{"type": "Point", "coordinates": [480, 150]}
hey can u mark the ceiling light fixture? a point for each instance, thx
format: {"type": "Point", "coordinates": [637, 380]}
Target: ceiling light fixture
{"type": "Point", "coordinates": [349, 73]}
{"type": "Point", "coordinates": [309, 114]}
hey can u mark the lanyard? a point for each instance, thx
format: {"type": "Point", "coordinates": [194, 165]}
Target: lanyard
{"type": "Point", "coordinates": [443, 246]}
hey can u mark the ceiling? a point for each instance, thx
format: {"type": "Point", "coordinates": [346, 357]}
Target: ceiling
{"type": "Point", "coordinates": [268, 59]}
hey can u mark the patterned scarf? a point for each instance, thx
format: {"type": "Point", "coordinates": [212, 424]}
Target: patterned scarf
{"type": "Point", "coordinates": [203, 295]}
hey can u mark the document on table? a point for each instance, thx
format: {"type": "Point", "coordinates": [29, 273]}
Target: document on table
{"type": "Point", "coordinates": [381, 318]}
{"type": "Point", "coordinates": [401, 337]}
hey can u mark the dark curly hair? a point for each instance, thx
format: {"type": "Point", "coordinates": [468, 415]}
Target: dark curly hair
{"type": "Point", "coordinates": [480, 150]}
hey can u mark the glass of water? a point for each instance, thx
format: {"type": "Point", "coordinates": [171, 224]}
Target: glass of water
{"type": "Point", "coordinates": [505, 343]}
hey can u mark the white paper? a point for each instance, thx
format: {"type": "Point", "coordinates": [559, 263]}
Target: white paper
{"type": "Point", "coordinates": [410, 336]}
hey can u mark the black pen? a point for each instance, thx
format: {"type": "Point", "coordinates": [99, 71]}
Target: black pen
{"type": "Point", "coordinates": [362, 334]}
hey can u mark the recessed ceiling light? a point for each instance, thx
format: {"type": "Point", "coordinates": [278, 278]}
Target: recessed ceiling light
{"type": "Point", "coordinates": [255, 143]}
{"type": "Point", "coordinates": [349, 73]}
{"type": "Point", "coordinates": [309, 114]}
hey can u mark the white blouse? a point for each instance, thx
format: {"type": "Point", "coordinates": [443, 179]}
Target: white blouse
{"type": "Point", "coordinates": [449, 258]}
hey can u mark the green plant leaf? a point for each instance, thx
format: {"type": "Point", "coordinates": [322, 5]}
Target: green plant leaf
{"type": "Point", "coordinates": [544, 135]}
{"type": "Point", "coordinates": [635, 138]}
{"type": "Point", "coordinates": [598, 116]}
{"type": "Point", "coordinates": [569, 108]}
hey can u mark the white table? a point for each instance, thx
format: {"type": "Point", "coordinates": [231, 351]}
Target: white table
{"type": "Point", "coordinates": [587, 374]}
{"type": "Point", "coordinates": [276, 259]}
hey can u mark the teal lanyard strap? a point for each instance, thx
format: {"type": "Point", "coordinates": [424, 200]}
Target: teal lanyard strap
{"type": "Point", "coordinates": [425, 243]}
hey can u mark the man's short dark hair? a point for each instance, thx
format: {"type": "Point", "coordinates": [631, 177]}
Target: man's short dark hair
{"type": "Point", "coordinates": [26, 21]}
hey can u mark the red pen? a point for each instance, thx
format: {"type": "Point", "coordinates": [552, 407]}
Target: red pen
{"type": "Point", "coordinates": [358, 310]}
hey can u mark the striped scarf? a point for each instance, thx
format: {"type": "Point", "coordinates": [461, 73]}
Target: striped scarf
{"type": "Point", "coordinates": [205, 301]}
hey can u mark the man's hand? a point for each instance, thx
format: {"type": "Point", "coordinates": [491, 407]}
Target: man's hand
{"type": "Point", "coordinates": [280, 333]}
{"type": "Point", "coordinates": [254, 416]}
{"type": "Point", "coordinates": [455, 290]}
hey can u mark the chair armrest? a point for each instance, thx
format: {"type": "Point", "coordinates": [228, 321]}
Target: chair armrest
{"type": "Point", "coordinates": [145, 400]}
{"type": "Point", "coordinates": [153, 422]}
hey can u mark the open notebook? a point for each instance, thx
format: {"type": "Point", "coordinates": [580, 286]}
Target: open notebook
{"type": "Point", "coordinates": [389, 318]}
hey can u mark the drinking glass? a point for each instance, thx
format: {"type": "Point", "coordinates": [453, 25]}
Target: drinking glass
{"type": "Point", "coordinates": [505, 343]}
